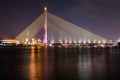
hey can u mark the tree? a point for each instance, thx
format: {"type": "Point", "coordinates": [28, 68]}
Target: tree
{"type": "Point", "coordinates": [119, 45]}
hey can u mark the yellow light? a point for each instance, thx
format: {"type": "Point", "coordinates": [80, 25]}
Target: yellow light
{"type": "Point", "coordinates": [89, 41]}
{"type": "Point", "coordinates": [45, 8]}
{"type": "Point", "coordinates": [33, 39]}
{"type": "Point", "coordinates": [80, 41]}
{"type": "Point", "coordinates": [39, 40]}
{"type": "Point", "coordinates": [26, 40]}
{"type": "Point", "coordinates": [99, 41]}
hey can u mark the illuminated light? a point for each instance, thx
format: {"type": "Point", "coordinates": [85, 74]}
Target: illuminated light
{"type": "Point", "coordinates": [104, 41]}
{"type": "Point", "coordinates": [32, 47]}
{"type": "Point", "coordinates": [45, 39]}
{"type": "Point", "coordinates": [50, 45]}
{"type": "Point", "coordinates": [80, 41]}
{"type": "Point", "coordinates": [38, 47]}
{"type": "Point", "coordinates": [84, 42]}
{"type": "Point", "coordinates": [17, 42]}
{"type": "Point", "coordinates": [66, 41]}
{"type": "Point", "coordinates": [23, 42]}
{"type": "Point", "coordinates": [94, 41]}
{"type": "Point", "coordinates": [26, 40]}
{"type": "Point", "coordinates": [66, 29]}
{"type": "Point", "coordinates": [32, 39]}
{"type": "Point", "coordinates": [45, 8]}
{"type": "Point", "coordinates": [8, 41]}
{"type": "Point", "coordinates": [39, 40]}
{"type": "Point", "coordinates": [60, 41]}
{"type": "Point", "coordinates": [102, 45]}
{"type": "Point", "coordinates": [95, 46]}
{"type": "Point", "coordinates": [70, 42]}
{"type": "Point", "coordinates": [89, 41]}
{"type": "Point", "coordinates": [52, 42]}
{"type": "Point", "coordinates": [99, 42]}
{"type": "Point", "coordinates": [35, 42]}
{"type": "Point", "coordinates": [75, 42]}
{"type": "Point", "coordinates": [110, 41]}
{"type": "Point", "coordinates": [45, 27]}
{"type": "Point", "coordinates": [119, 40]}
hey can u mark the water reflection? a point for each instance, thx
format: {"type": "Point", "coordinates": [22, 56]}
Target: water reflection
{"type": "Point", "coordinates": [60, 64]}
{"type": "Point", "coordinates": [33, 74]}
{"type": "Point", "coordinates": [41, 66]}
{"type": "Point", "coordinates": [96, 64]}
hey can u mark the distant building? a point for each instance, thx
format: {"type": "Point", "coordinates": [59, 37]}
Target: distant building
{"type": "Point", "coordinates": [7, 42]}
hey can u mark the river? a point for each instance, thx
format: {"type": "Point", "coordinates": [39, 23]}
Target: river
{"type": "Point", "coordinates": [59, 64]}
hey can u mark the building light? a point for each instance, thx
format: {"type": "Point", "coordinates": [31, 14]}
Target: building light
{"type": "Point", "coordinates": [110, 41]}
{"type": "Point", "coordinates": [119, 40]}
{"type": "Point", "coordinates": [84, 42]}
{"type": "Point", "coordinates": [80, 41]}
{"type": "Point", "coordinates": [26, 40]}
{"type": "Point", "coordinates": [65, 41]}
{"type": "Point", "coordinates": [60, 41]}
{"type": "Point", "coordinates": [75, 42]}
{"type": "Point", "coordinates": [89, 41]}
{"type": "Point", "coordinates": [99, 42]}
{"type": "Point", "coordinates": [17, 42]}
{"type": "Point", "coordinates": [104, 41]}
{"type": "Point", "coordinates": [94, 41]}
{"type": "Point", "coordinates": [70, 42]}
{"type": "Point", "coordinates": [52, 42]}
{"type": "Point", "coordinates": [33, 39]}
{"type": "Point", "coordinates": [39, 40]}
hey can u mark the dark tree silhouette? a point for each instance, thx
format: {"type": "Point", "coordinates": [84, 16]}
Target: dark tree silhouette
{"type": "Point", "coordinates": [119, 45]}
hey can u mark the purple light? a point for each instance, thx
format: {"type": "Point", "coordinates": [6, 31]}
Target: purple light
{"type": "Point", "coordinates": [45, 27]}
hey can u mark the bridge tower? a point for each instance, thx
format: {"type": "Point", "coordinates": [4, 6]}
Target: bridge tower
{"type": "Point", "coordinates": [45, 26]}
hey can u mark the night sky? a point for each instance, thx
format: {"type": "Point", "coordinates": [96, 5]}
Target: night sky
{"type": "Point", "coordinates": [98, 16]}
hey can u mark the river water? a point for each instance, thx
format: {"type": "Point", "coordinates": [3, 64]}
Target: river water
{"type": "Point", "coordinates": [59, 64]}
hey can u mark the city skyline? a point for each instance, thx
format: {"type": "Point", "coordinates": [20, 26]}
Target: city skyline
{"type": "Point", "coordinates": [100, 17]}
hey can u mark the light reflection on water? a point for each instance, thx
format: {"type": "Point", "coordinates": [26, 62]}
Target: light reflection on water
{"type": "Point", "coordinates": [59, 64]}
{"type": "Point", "coordinates": [33, 73]}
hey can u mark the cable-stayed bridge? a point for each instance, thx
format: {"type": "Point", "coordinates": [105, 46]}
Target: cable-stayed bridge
{"type": "Point", "coordinates": [58, 30]}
